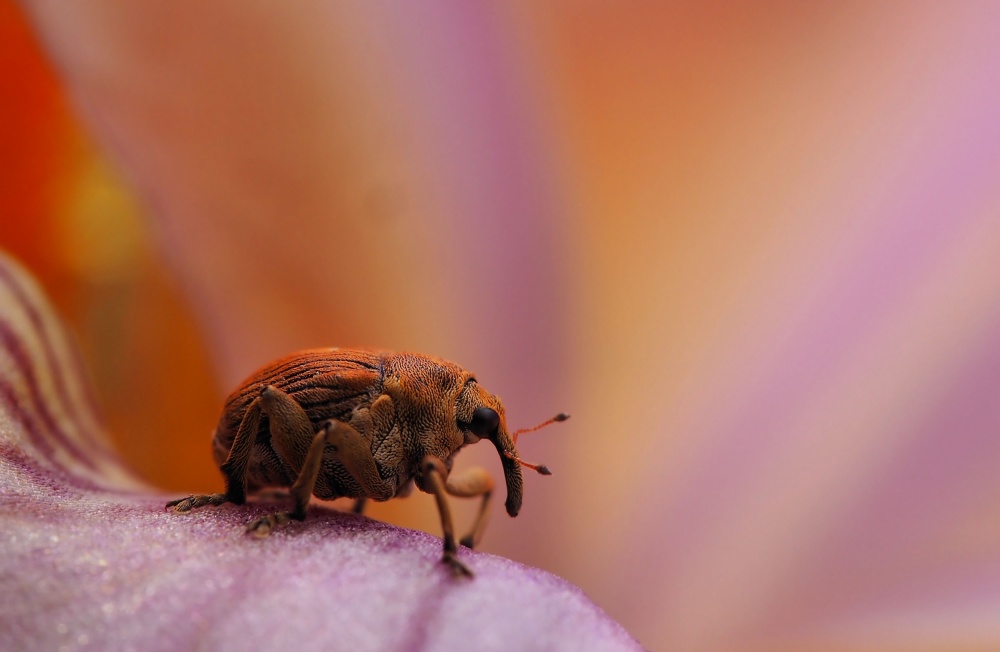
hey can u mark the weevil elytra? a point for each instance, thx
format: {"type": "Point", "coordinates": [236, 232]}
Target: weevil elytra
{"type": "Point", "coordinates": [360, 424]}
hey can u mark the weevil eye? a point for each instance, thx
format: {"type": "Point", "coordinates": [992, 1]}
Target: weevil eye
{"type": "Point", "coordinates": [485, 422]}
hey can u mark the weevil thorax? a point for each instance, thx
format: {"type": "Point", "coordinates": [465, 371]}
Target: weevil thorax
{"type": "Point", "coordinates": [435, 401]}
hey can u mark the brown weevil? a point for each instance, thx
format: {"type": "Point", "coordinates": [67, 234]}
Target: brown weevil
{"type": "Point", "coordinates": [360, 424]}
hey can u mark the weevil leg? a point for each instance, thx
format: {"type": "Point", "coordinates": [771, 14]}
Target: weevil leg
{"type": "Point", "coordinates": [300, 491]}
{"type": "Point", "coordinates": [291, 431]}
{"type": "Point", "coordinates": [435, 477]}
{"type": "Point", "coordinates": [234, 469]}
{"type": "Point", "coordinates": [355, 453]}
{"type": "Point", "coordinates": [184, 505]}
{"type": "Point", "coordinates": [359, 505]}
{"type": "Point", "coordinates": [298, 446]}
{"type": "Point", "coordinates": [469, 484]}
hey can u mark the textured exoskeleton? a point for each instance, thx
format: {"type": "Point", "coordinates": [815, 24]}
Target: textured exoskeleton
{"type": "Point", "coordinates": [360, 424]}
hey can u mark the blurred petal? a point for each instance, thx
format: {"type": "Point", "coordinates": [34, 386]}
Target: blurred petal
{"type": "Point", "coordinates": [299, 205]}
{"type": "Point", "coordinates": [798, 300]}
{"type": "Point", "coordinates": [90, 559]}
{"type": "Point", "coordinates": [339, 174]}
{"type": "Point", "coordinates": [784, 352]}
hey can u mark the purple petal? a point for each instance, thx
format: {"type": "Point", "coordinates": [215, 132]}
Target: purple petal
{"type": "Point", "coordinates": [91, 560]}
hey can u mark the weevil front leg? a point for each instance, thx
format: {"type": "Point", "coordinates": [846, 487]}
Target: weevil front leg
{"type": "Point", "coordinates": [435, 477]}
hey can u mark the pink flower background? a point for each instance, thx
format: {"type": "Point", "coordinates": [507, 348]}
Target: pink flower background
{"type": "Point", "coordinates": [753, 249]}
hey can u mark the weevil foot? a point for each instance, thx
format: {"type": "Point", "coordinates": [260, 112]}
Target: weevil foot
{"type": "Point", "coordinates": [468, 541]}
{"type": "Point", "coordinates": [458, 569]}
{"type": "Point", "coordinates": [262, 526]}
{"type": "Point", "coordinates": [184, 505]}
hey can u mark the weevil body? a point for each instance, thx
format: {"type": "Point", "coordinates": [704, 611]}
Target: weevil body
{"type": "Point", "coordinates": [352, 423]}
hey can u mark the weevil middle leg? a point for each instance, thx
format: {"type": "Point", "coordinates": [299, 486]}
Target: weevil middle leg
{"type": "Point", "coordinates": [301, 490]}
{"type": "Point", "coordinates": [350, 448]}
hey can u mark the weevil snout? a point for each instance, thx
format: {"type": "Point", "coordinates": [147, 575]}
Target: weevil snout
{"type": "Point", "coordinates": [486, 423]}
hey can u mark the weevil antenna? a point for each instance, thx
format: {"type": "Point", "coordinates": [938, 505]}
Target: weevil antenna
{"type": "Point", "coordinates": [556, 419]}
{"type": "Point", "coordinates": [541, 468]}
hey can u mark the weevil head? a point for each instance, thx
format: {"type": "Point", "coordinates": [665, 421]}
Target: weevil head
{"type": "Point", "coordinates": [480, 415]}
{"type": "Point", "coordinates": [442, 408]}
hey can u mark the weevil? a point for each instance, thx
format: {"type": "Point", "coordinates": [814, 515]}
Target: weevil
{"type": "Point", "coordinates": [351, 423]}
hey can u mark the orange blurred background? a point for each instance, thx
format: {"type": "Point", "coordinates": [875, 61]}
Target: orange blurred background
{"type": "Point", "coordinates": [71, 220]}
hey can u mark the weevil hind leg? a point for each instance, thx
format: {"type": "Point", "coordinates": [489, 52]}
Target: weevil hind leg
{"type": "Point", "coordinates": [435, 477]}
{"type": "Point", "coordinates": [469, 484]}
{"type": "Point", "coordinates": [291, 430]}
{"type": "Point", "coordinates": [233, 469]}
{"type": "Point", "coordinates": [185, 505]}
